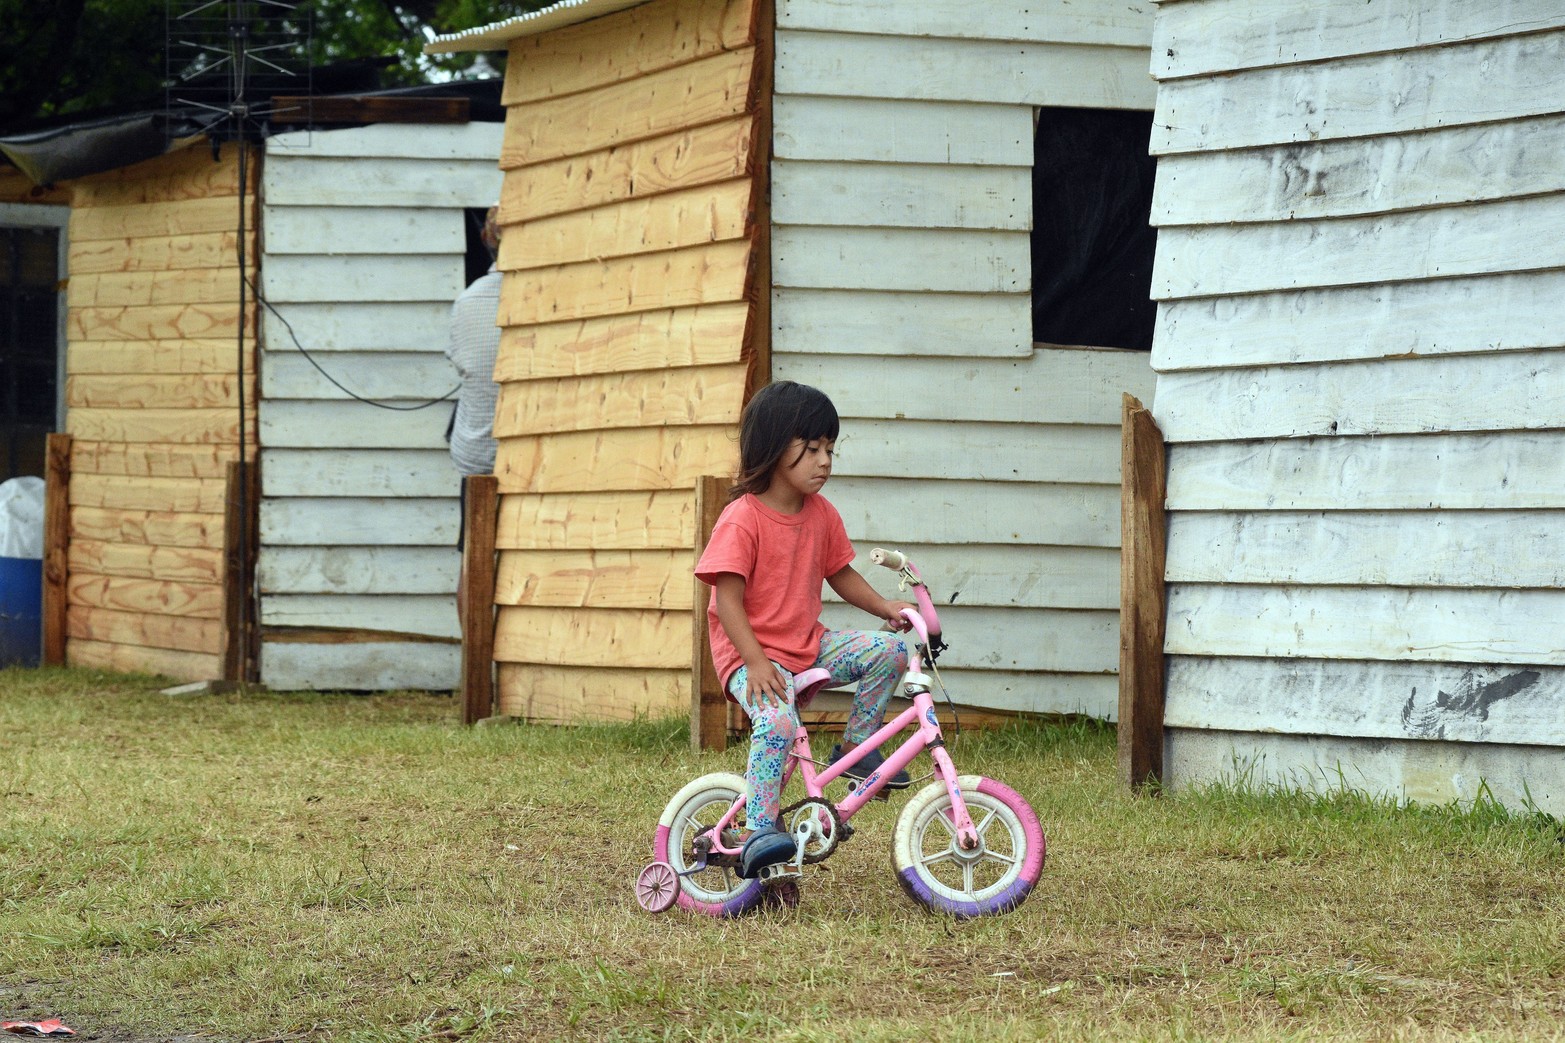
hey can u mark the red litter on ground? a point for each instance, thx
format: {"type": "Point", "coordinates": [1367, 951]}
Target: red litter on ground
{"type": "Point", "coordinates": [52, 1027]}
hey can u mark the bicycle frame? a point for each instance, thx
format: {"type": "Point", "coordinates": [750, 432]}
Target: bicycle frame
{"type": "Point", "coordinates": [927, 737]}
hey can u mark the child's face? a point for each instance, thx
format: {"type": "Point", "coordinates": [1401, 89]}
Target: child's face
{"type": "Point", "coordinates": [805, 466]}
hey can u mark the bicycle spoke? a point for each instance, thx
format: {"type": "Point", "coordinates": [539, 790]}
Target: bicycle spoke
{"type": "Point", "coordinates": [940, 856]}
{"type": "Point", "coordinates": [981, 827]}
{"type": "Point", "coordinates": [967, 877]}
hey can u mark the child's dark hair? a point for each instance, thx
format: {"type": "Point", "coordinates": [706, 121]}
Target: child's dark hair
{"type": "Point", "coordinates": [779, 413]}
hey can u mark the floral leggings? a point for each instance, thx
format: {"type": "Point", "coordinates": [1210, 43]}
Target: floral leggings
{"type": "Point", "coordinates": [875, 659]}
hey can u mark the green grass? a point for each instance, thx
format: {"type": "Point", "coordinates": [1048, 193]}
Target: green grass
{"type": "Point", "coordinates": [364, 868]}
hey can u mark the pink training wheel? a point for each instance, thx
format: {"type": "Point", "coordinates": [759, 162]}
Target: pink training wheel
{"type": "Point", "coordinates": [657, 887]}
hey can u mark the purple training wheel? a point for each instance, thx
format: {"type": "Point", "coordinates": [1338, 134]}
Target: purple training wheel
{"type": "Point", "coordinates": [657, 887]}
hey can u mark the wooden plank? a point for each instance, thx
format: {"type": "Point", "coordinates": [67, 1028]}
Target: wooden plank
{"type": "Point", "coordinates": [599, 637]}
{"type": "Point", "coordinates": [161, 461]}
{"type": "Point", "coordinates": [1424, 244]}
{"type": "Point", "coordinates": [135, 492]}
{"type": "Point", "coordinates": [1014, 639]}
{"type": "Point", "coordinates": [668, 397]}
{"type": "Point", "coordinates": [289, 180]}
{"type": "Point", "coordinates": [363, 667]}
{"type": "Point", "coordinates": [356, 425]}
{"type": "Point", "coordinates": [700, 92]}
{"type": "Point", "coordinates": [151, 357]}
{"type": "Point", "coordinates": [360, 473]}
{"type": "Point", "coordinates": [1362, 97]}
{"type": "Point", "coordinates": [1473, 548]}
{"type": "Point", "coordinates": [240, 644]}
{"type": "Point", "coordinates": [940, 260]}
{"type": "Point", "coordinates": [1193, 39]}
{"type": "Point", "coordinates": [381, 375]}
{"type": "Point", "coordinates": [355, 230]}
{"type": "Point", "coordinates": [56, 546]}
{"type": "Point", "coordinates": [434, 142]}
{"type": "Point", "coordinates": [477, 596]}
{"type": "Point", "coordinates": [1016, 692]}
{"type": "Point", "coordinates": [876, 509]}
{"type": "Point", "coordinates": [596, 521]}
{"type": "Point", "coordinates": [160, 219]}
{"type": "Point", "coordinates": [706, 335]}
{"type": "Point", "coordinates": [198, 564]}
{"type": "Point", "coordinates": [1434, 774]}
{"type": "Point", "coordinates": [645, 224]}
{"type": "Point", "coordinates": [645, 458]}
{"type": "Point", "coordinates": [1376, 622]}
{"type": "Point", "coordinates": [430, 615]}
{"type": "Point", "coordinates": [207, 250]}
{"type": "Point", "coordinates": [1015, 576]}
{"type": "Point", "coordinates": [147, 596]}
{"type": "Point", "coordinates": [290, 278]}
{"type": "Point", "coordinates": [153, 631]}
{"type": "Point", "coordinates": [178, 176]}
{"type": "Point", "coordinates": [357, 570]}
{"type": "Point", "coordinates": [159, 528]}
{"type": "Point", "coordinates": [1053, 386]}
{"type": "Point", "coordinates": [989, 452]}
{"type": "Point", "coordinates": [344, 326]}
{"type": "Point", "coordinates": [709, 710]}
{"type": "Point", "coordinates": [137, 659]}
{"type": "Point", "coordinates": [901, 195]}
{"type": "Point", "coordinates": [1453, 702]}
{"type": "Point", "coordinates": [674, 279]}
{"type": "Point", "coordinates": [313, 521]}
{"type": "Point", "coordinates": [1144, 543]}
{"type": "Point", "coordinates": [1365, 176]}
{"type": "Point", "coordinates": [297, 109]}
{"type": "Point", "coordinates": [897, 130]}
{"type": "Point", "coordinates": [624, 46]}
{"type": "Point", "coordinates": [572, 695]}
{"type": "Point", "coordinates": [134, 288]}
{"type": "Point", "coordinates": [595, 578]}
{"type": "Point", "coordinates": [1394, 472]}
{"type": "Point", "coordinates": [1507, 312]}
{"type": "Point", "coordinates": [883, 66]}
{"type": "Point", "coordinates": [161, 391]}
{"type": "Point", "coordinates": [1489, 392]}
{"type": "Point", "coordinates": [157, 322]}
{"type": "Point", "coordinates": [204, 426]}
{"type": "Point", "coordinates": [684, 159]}
{"type": "Point", "coordinates": [872, 322]}
{"type": "Point", "coordinates": [1122, 25]}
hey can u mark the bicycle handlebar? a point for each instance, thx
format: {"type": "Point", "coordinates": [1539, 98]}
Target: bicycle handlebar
{"type": "Point", "coordinates": [891, 559]}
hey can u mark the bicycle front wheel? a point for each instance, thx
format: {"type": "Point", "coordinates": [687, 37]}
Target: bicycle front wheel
{"type": "Point", "coordinates": [996, 877]}
{"type": "Point", "coordinates": [715, 891]}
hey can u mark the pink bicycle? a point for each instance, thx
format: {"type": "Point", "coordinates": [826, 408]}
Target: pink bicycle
{"type": "Point", "coordinates": [964, 844]}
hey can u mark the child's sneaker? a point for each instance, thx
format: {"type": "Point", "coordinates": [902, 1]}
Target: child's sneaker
{"type": "Point", "coordinates": [767, 846]}
{"type": "Point", "coordinates": [867, 765]}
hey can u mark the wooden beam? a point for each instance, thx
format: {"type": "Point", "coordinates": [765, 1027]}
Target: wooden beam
{"type": "Point", "coordinates": [708, 704]}
{"type": "Point", "coordinates": [299, 109]}
{"type": "Point", "coordinates": [477, 601]}
{"type": "Point", "coordinates": [56, 546]}
{"type": "Point", "coordinates": [239, 540]}
{"type": "Point", "coordinates": [1143, 600]}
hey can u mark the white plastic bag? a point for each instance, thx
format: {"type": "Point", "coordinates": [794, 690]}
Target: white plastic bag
{"type": "Point", "coordinates": [21, 518]}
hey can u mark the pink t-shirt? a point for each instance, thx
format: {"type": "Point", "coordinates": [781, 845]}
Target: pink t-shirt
{"type": "Point", "coordinates": [783, 558]}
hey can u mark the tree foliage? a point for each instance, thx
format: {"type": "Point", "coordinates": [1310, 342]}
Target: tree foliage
{"type": "Point", "coordinates": [64, 57]}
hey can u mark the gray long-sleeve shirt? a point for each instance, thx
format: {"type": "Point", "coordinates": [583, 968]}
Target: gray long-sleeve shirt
{"type": "Point", "coordinates": [475, 341]}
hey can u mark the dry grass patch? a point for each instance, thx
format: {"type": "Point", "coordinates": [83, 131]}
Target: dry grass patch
{"type": "Point", "coordinates": [363, 868]}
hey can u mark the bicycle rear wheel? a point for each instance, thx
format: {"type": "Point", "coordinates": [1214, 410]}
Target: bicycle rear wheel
{"type": "Point", "coordinates": [716, 890]}
{"type": "Point", "coordinates": [996, 877]}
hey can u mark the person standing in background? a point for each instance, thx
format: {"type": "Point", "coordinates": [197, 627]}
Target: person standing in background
{"type": "Point", "coordinates": [475, 340]}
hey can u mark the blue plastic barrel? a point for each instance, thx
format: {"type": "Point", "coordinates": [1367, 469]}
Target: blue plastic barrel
{"type": "Point", "coordinates": [21, 611]}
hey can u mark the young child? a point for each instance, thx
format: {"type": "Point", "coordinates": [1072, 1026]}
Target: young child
{"type": "Point", "coordinates": [772, 547]}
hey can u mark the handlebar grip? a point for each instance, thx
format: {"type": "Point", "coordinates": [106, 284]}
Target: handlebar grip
{"type": "Point", "coordinates": [891, 559]}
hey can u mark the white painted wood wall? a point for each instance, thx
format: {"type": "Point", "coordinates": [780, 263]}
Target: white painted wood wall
{"type": "Point", "coordinates": [1360, 269]}
{"type": "Point", "coordinates": [363, 253]}
{"type": "Point", "coordinates": [901, 210]}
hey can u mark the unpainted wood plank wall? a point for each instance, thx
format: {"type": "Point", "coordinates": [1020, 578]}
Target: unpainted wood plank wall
{"type": "Point", "coordinates": [1359, 267]}
{"type": "Point", "coordinates": [902, 207]}
{"type": "Point", "coordinates": [629, 307]}
{"type": "Point", "coordinates": [364, 252]}
{"type": "Point", "coordinates": [152, 400]}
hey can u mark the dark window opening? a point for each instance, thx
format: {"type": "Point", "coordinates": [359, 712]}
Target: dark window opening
{"type": "Point", "coordinates": [1092, 244]}
{"type": "Point", "coordinates": [29, 346]}
{"type": "Point", "coordinates": [478, 259]}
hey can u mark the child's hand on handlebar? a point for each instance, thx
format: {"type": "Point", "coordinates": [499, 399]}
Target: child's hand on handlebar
{"type": "Point", "coordinates": [894, 617]}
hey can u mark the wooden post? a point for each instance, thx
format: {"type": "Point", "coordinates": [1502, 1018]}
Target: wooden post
{"type": "Point", "coordinates": [708, 705]}
{"type": "Point", "coordinates": [1142, 597]}
{"type": "Point", "coordinates": [481, 516]}
{"type": "Point", "coordinates": [239, 537]}
{"type": "Point", "coordinates": [56, 545]}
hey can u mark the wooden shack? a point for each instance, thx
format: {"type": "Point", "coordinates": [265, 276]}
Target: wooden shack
{"type": "Point", "coordinates": [1359, 271]}
{"type": "Point", "coordinates": [339, 569]}
{"type": "Point", "coordinates": [703, 195]}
